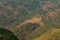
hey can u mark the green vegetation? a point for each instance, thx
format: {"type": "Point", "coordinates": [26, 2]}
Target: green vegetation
{"type": "Point", "coordinates": [7, 35]}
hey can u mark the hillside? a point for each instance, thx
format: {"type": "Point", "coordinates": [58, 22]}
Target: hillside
{"type": "Point", "coordinates": [31, 19]}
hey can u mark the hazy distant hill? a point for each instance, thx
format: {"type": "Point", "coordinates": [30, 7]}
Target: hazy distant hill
{"type": "Point", "coordinates": [31, 19]}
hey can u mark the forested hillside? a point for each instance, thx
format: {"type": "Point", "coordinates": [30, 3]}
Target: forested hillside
{"type": "Point", "coordinates": [31, 19]}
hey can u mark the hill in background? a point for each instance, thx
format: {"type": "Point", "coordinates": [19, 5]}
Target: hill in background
{"type": "Point", "coordinates": [31, 19]}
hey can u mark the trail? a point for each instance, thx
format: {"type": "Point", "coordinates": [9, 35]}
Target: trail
{"type": "Point", "coordinates": [35, 19]}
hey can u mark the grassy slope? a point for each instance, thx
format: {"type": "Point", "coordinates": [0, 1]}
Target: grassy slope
{"type": "Point", "coordinates": [49, 34]}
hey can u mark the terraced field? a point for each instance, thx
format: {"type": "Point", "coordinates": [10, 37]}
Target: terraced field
{"type": "Point", "coordinates": [31, 19]}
